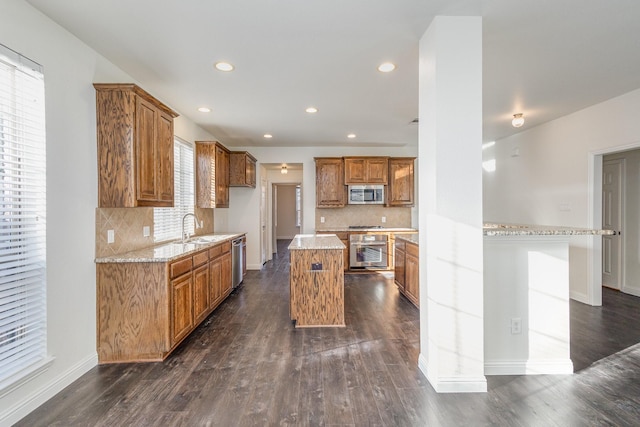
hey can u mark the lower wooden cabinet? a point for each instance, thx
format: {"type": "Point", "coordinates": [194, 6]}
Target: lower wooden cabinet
{"type": "Point", "coordinates": [406, 270]}
{"type": "Point", "coordinates": [145, 309]}
{"type": "Point", "coordinates": [344, 238]}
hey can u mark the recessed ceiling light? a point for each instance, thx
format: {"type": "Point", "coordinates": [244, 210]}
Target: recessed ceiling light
{"type": "Point", "coordinates": [224, 66]}
{"type": "Point", "coordinates": [268, 135]}
{"type": "Point", "coordinates": [386, 67]}
{"type": "Point", "coordinates": [204, 109]}
{"type": "Point", "coordinates": [351, 135]}
{"type": "Point", "coordinates": [311, 110]}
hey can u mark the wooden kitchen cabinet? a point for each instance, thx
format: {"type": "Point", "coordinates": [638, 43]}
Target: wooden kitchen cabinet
{"type": "Point", "coordinates": [330, 189]}
{"type": "Point", "coordinates": [406, 270]}
{"type": "Point", "coordinates": [145, 309]}
{"type": "Point", "coordinates": [412, 277]}
{"type": "Point", "coordinates": [399, 269]}
{"type": "Point", "coordinates": [212, 175]}
{"type": "Point", "coordinates": [401, 182]}
{"type": "Point", "coordinates": [366, 170]}
{"type": "Point", "coordinates": [242, 169]}
{"type": "Point", "coordinates": [135, 147]}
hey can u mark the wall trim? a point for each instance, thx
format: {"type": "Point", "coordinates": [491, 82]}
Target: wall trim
{"type": "Point", "coordinates": [529, 367]}
{"type": "Point", "coordinates": [580, 297]}
{"type": "Point", "coordinates": [452, 384]}
{"type": "Point", "coordinates": [32, 401]}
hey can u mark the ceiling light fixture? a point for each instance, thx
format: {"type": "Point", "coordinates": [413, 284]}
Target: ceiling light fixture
{"type": "Point", "coordinates": [351, 135]}
{"type": "Point", "coordinates": [283, 170]}
{"type": "Point", "coordinates": [268, 135]}
{"type": "Point", "coordinates": [311, 110]}
{"type": "Point", "coordinates": [517, 121]}
{"type": "Point", "coordinates": [386, 67]}
{"type": "Point", "coordinates": [204, 109]}
{"type": "Point", "coordinates": [224, 66]}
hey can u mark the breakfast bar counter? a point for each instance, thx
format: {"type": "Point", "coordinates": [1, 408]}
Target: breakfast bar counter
{"type": "Point", "coordinates": [316, 281]}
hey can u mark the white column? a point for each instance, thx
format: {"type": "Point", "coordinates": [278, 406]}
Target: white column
{"type": "Point", "coordinates": [450, 205]}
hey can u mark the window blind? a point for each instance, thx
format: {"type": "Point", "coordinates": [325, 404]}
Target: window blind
{"type": "Point", "coordinates": [167, 222]}
{"type": "Point", "coordinates": [22, 217]}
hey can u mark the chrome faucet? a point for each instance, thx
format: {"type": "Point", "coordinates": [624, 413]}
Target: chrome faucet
{"type": "Point", "coordinates": [196, 221]}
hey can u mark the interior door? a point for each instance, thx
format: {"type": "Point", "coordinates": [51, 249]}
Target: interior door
{"type": "Point", "coordinates": [612, 218]}
{"type": "Point", "coordinates": [263, 221]}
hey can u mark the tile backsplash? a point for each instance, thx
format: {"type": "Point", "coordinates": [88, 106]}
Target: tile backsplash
{"type": "Point", "coordinates": [128, 223]}
{"type": "Point", "coordinates": [363, 215]}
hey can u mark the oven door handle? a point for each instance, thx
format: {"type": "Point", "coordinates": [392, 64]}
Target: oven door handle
{"type": "Point", "coordinates": [368, 244]}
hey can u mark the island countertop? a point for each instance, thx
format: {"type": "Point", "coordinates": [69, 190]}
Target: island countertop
{"type": "Point", "coordinates": [495, 229]}
{"type": "Point", "coordinates": [165, 252]}
{"type": "Point", "coordinates": [316, 241]}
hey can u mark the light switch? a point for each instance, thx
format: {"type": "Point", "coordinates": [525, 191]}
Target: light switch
{"type": "Point", "coordinates": [384, 219]}
{"type": "Point", "coordinates": [111, 236]}
{"type": "Point", "coordinates": [146, 231]}
{"type": "Point", "coordinates": [322, 220]}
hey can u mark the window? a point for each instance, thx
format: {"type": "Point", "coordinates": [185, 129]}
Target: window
{"type": "Point", "coordinates": [167, 222]}
{"type": "Point", "coordinates": [23, 340]}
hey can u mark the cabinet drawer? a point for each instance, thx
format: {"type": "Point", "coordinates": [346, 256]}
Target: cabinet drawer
{"type": "Point", "coordinates": [226, 247]}
{"type": "Point", "coordinates": [215, 251]}
{"type": "Point", "coordinates": [412, 250]}
{"type": "Point", "coordinates": [200, 258]}
{"type": "Point", "coordinates": [180, 267]}
{"type": "Point", "coordinates": [400, 245]}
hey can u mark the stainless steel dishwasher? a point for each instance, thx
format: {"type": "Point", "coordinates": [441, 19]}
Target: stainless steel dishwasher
{"type": "Point", "coordinates": [237, 247]}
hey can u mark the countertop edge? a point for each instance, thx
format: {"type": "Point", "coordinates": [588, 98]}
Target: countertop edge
{"type": "Point", "coordinates": [145, 254]}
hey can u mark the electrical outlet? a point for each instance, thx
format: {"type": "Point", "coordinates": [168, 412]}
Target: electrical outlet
{"type": "Point", "coordinates": [146, 231]}
{"type": "Point", "coordinates": [322, 220]}
{"type": "Point", "coordinates": [111, 236]}
{"type": "Point", "coordinates": [384, 219]}
{"type": "Point", "coordinates": [516, 325]}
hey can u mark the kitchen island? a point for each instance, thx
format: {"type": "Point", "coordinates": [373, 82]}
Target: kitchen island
{"type": "Point", "coordinates": [526, 298]}
{"type": "Point", "coordinates": [316, 281]}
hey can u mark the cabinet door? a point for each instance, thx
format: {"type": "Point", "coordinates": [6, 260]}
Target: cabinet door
{"type": "Point", "coordinates": [400, 269]}
{"type": "Point", "coordinates": [201, 286]}
{"type": "Point", "coordinates": [330, 189]}
{"type": "Point", "coordinates": [401, 183]}
{"type": "Point", "coordinates": [181, 307]}
{"type": "Point", "coordinates": [377, 170]}
{"type": "Point", "coordinates": [165, 188]}
{"type": "Point", "coordinates": [222, 178]}
{"type": "Point", "coordinates": [412, 279]}
{"type": "Point", "coordinates": [226, 274]}
{"type": "Point", "coordinates": [205, 175]}
{"type": "Point", "coordinates": [251, 172]}
{"type": "Point", "coordinates": [215, 280]}
{"type": "Point", "coordinates": [355, 171]}
{"type": "Point", "coordinates": [146, 160]}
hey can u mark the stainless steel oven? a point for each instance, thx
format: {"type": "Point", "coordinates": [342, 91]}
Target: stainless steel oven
{"type": "Point", "coordinates": [368, 251]}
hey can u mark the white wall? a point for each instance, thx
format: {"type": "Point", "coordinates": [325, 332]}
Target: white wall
{"type": "Point", "coordinates": [542, 174]}
{"type": "Point", "coordinates": [70, 68]}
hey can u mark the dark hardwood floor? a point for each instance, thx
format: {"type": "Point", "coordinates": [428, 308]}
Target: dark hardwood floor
{"type": "Point", "coordinates": [247, 365]}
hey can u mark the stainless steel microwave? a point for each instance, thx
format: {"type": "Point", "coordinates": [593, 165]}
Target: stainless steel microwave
{"type": "Point", "coordinates": [366, 194]}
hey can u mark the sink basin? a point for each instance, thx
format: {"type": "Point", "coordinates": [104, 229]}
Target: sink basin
{"type": "Point", "coordinates": [205, 240]}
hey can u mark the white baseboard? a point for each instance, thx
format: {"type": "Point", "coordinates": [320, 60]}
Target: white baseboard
{"type": "Point", "coordinates": [30, 402]}
{"type": "Point", "coordinates": [580, 297]}
{"type": "Point", "coordinates": [452, 384]}
{"type": "Point", "coordinates": [529, 367]}
{"type": "Point", "coordinates": [632, 290]}
{"type": "Point", "coordinates": [254, 266]}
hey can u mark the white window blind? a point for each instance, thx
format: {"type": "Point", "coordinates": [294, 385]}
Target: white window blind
{"type": "Point", "coordinates": [22, 217]}
{"type": "Point", "coordinates": [167, 222]}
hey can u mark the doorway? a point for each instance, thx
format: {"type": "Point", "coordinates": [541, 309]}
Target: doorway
{"type": "Point", "coordinates": [613, 201]}
{"type": "Point", "coordinates": [287, 211]}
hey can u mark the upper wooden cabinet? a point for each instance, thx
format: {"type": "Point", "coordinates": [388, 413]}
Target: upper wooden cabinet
{"type": "Point", "coordinates": [401, 183]}
{"type": "Point", "coordinates": [212, 175]}
{"type": "Point", "coordinates": [135, 147]}
{"type": "Point", "coordinates": [330, 189]}
{"type": "Point", "coordinates": [365, 170]}
{"type": "Point", "coordinates": [242, 169]}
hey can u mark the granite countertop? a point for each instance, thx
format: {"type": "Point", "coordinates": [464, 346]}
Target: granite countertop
{"type": "Point", "coordinates": [316, 241]}
{"type": "Point", "coordinates": [383, 229]}
{"type": "Point", "coordinates": [411, 238]}
{"type": "Point", "coordinates": [491, 229]}
{"type": "Point", "coordinates": [169, 251]}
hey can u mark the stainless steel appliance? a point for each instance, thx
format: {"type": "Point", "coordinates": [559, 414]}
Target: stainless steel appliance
{"type": "Point", "coordinates": [237, 247]}
{"type": "Point", "coordinates": [368, 251]}
{"type": "Point", "coordinates": [366, 194]}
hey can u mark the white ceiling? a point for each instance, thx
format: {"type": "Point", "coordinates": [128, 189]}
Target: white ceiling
{"type": "Point", "coordinates": [544, 58]}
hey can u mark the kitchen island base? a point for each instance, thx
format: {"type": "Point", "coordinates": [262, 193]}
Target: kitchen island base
{"type": "Point", "coordinates": [316, 281]}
